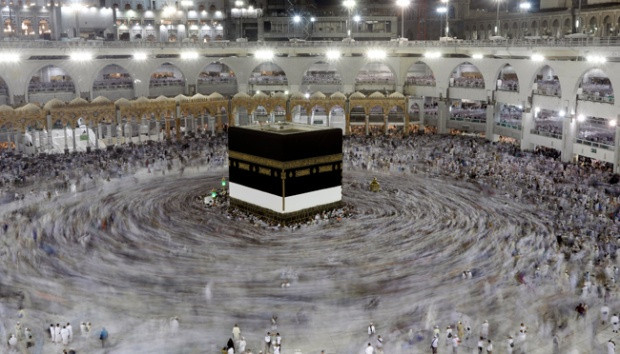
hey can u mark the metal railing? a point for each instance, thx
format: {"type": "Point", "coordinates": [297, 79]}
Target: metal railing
{"type": "Point", "coordinates": [508, 125]}
{"type": "Point", "coordinates": [458, 43]}
{"type": "Point", "coordinates": [595, 144]}
{"type": "Point", "coordinates": [546, 133]}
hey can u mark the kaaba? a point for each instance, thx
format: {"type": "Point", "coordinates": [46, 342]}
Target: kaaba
{"type": "Point", "coordinates": [285, 171]}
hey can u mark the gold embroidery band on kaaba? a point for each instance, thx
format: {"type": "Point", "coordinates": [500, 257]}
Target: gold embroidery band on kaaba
{"type": "Point", "coordinates": [285, 165]}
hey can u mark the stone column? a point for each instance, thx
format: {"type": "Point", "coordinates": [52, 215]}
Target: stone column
{"type": "Point", "coordinates": [129, 130]}
{"type": "Point", "coordinates": [492, 112]}
{"type": "Point", "coordinates": [406, 118]}
{"type": "Point", "coordinates": [119, 129]}
{"type": "Point", "coordinates": [385, 123]}
{"type": "Point", "coordinates": [367, 124]}
{"type": "Point", "coordinates": [219, 125]}
{"type": "Point", "coordinates": [36, 142]}
{"type": "Point", "coordinates": [88, 129]}
{"type": "Point", "coordinates": [99, 135]}
{"type": "Point", "coordinates": [42, 140]}
{"type": "Point", "coordinates": [527, 123]}
{"type": "Point", "coordinates": [157, 128]}
{"type": "Point", "coordinates": [617, 150]}
{"type": "Point", "coordinates": [50, 142]}
{"type": "Point", "coordinates": [211, 124]}
{"type": "Point", "coordinates": [109, 129]}
{"type": "Point", "coordinates": [16, 137]}
{"type": "Point", "coordinates": [443, 114]}
{"type": "Point", "coordinates": [569, 130]}
{"type": "Point", "coordinates": [177, 121]}
{"type": "Point", "coordinates": [422, 114]}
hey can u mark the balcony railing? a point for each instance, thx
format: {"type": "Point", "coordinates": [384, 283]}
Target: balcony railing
{"type": "Point", "coordinates": [595, 144]}
{"type": "Point", "coordinates": [552, 42]}
{"type": "Point", "coordinates": [546, 133]}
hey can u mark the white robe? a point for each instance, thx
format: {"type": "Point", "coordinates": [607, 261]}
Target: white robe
{"type": "Point", "coordinates": [604, 313]}
{"type": "Point", "coordinates": [83, 329]}
{"type": "Point", "coordinates": [236, 331]}
{"type": "Point", "coordinates": [53, 333]}
{"type": "Point", "coordinates": [611, 348]}
{"type": "Point", "coordinates": [242, 345]}
{"type": "Point", "coordinates": [70, 329]}
{"type": "Point", "coordinates": [64, 334]}
{"type": "Point", "coordinates": [615, 322]}
{"type": "Point", "coordinates": [174, 325]}
{"type": "Point", "coordinates": [485, 330]}
{"type": "Point", "coordinates": [57, 334]}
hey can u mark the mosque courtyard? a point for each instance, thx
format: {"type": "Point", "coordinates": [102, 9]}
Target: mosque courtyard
{"type": "Point", "coordinates": [134, 252]}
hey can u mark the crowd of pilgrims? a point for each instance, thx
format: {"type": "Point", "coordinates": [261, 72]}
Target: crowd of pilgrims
{"type": "Point", "coordinates": [579, 202]}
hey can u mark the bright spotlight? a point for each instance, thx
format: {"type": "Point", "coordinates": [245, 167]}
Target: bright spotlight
{"type": "Point", "coordinates": [238, 3]}
{"type": "Point", "coordinates": [477, 56]}
{"type": "Point", "coordinates": [376, 54]}
{"type": "Point", "coordinates": [525, 6]}
{"type": "Point", "coordinates": [332, 54]}
{"type": "Point", "coordinates": [562, 113]}
{"type": "Point", "coordinates": [139, 56]}
{"type": "Point", "coordinates": [81, 56]}
{"type": "Point", "coordinates": [296, 18]}
{"type": "Point", "coordinates": [349, 4]}
{"type": "Point", "coordinates": [357, 18]}
{"type": "Point", "coordinates": [312, 19]}
{"type": "Point", "coordinates": [9, 58]}
{"type": "Point", "coordinates": [189, 55]}
{"type": "Point", "coordinates": [402, 3]}
{"type": "Point", "coordinates": [537, 57]}
{"type": "Point", "coordinates": [306, 95]}
{"type": "Point", "coordinates": [432, 55]}
{"type": "Point", "coordinates": [442, 10]}
{"type": "Point", "coordinates": [613, 123]}
{"type": "Point", "coordinates": [169, 11]}
{"type": "Point", "coordinates": [596, 59]}
{"type": "Point", "coordinates": [264, 54]}
{"type": "Point", "coordinates": [581, 118]}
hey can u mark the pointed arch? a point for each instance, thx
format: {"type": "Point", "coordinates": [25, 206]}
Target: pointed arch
{"type": "Point", "coordinates": [596, 86]}
{"type": "Point", "coordinates": [507, 79]}
{"type": "Point", "coordinates": [596, 131]}
{"type": "Point", "coordinates": [113, 82]}
{"type": "Point", "coordinates": [50, 82]}
{"type": "Point", "coordinates": [167, 80]}
{"type": "Point", "coordinates": [299, 114]}
{"type": "Point", "coordinates": [337, 118]}
{"type": "Point", "coordinates": [374, 72]}
{"type": "Point", "coordinates": [420, 74]}
{"type": "Point", "coordinates": [217, 77]}
{"type": "Point", "coordinates": [466, 74]}
{"type": "Point", "coordinates": [268, 73]}
{"type": "Point", "coordinates": [547, 82]}
{"type": "Point", "coordinates": [375, 76]}
{"type": "Point", "coordinates": [321, 76]}
{"type": "Point", "coordinates": [607, 26]}
{"type": "Point", "coordinates": [4, 92]}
